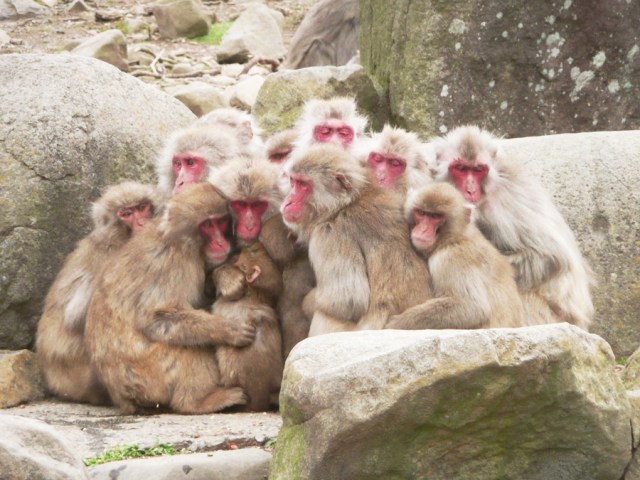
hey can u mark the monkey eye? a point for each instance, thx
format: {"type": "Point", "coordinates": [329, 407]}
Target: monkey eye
{"type": "Point", "coordinates": [258, 204]}
{"type": "Point", "coordinates": [126, 212]}
{"type": "Point", "coordinates": [141, 207]}
{"type": "Point", "coordinates": [222, 221]}
{"type": "Point", "coordinates": [460, 167]}
{"type": "Point", "coordinates": [177, 162]}
{"type": "Point", "coordinates": [397, 163]}
{"type": "Point", "coordinates": [375, 158]}
{"type": "Point", "coordinates": [207, 223]}
{"type": "Point", "coordinates": [326, 130]}
{"type": "Point", "coordinates": [480, 169]}
{"type": "Point", "coordinates": [190, 162]}
{"type": "Point", "coordinates": [344, 132]}
{"type": "Point", "coordinates": [434, 215]}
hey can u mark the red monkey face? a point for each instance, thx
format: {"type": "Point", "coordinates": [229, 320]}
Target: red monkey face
{"type": "Point", "coordinates": [468, 178]}
{"type": "Point", "coordinates": [135, 216]}
{"type": "Point", "coordinates": [188, 168]}
{"type": "Point", "coordinates": [386, 168]}
{"type": "Point", "coordinates": [333, 131]}
{"type": "Point", "coordinates": [249, 214]}
{"type": "Point", "coordinates": [217, 246]}
{"type": "Point", "coordinates": [293, 206]}
{"type": "Point", "coordinates": [425, 232]}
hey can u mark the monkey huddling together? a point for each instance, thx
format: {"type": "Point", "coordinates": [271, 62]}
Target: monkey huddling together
{"type": "Point", "coordinates": [189, 295]}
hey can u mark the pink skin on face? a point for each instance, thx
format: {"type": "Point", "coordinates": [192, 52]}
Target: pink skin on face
{"type": "Point", "coordinates": [386, 168]}
{"type": "Point", "coordinates": [301, 188]}
{"type": "Point", "coordinates": [279, 156]}
{"type": "Point", "coordinates": [249, 213]}
{"type": "Point", "coordinates": [424, 233]}
{"type": "Point", "coordinates": [468, 178]}
{"type": "Point", "coordinates": [135, 216]}
{"type": "Point", "coordinates": [188, 168]}
{"type": "Point", "coordinates": [334, 131]}
{"type": "Point", "coordinates": [217, 246]}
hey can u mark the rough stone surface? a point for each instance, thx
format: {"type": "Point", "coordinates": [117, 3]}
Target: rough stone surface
{"type": "Point", "coordinates": [244, 94]}
{"type": "Point", "coordinates": [256, 31]}
{"type": "Point", "coordinates": [20, 378]}
{"type": "Point", "coordinates": [69, 126]}
{"type": "Point", "coordinates": [243, 464]}
{"type": "Point", "coordinates": [4, 38]}
{"type": "Point", "coordinates": [90, 430]}
{"type": "Point", "coordinates": [282, 95]}
{"type": "Point", "coordinates": [537, 403]}
{"type": "Point", "coordinates": [631, 373]}
{"type": "Point", "coordinates": [593, 178]}
{"type": "Point", "coordinates": [181, 18]}
{"type": "Point", "coordinates": [634, 402]}
{"type": "Point", "coordinates": [200, 97]}
{"type": "Point", "coordinates": [32, 450]}
{"type": "Point", "coordinates": [109, 46]}
{"type": "Point", "coordinates": [21, 8]}
{"type": "Point", "coordinates": [519, 68]}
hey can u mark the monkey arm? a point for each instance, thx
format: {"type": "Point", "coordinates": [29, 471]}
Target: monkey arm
{"type": "Point", "coordinates": [534, 268]}
{"type": "Point", "coordinates": [443, 312]}
{"type": "Point", "coordinates": [197, 327]}
{"type": "Point", "coordinates": [277, 240]}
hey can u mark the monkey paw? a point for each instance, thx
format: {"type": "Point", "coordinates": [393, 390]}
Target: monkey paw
{"type": "Point", "coordinates": [241, 333]}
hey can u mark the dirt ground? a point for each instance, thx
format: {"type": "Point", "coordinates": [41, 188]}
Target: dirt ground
{"type": "Point", "coordinates": [50, 34]}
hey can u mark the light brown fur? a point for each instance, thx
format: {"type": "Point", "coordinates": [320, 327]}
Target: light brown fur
{"type": "Point", "coordinates": [149, 343]}
{"type": "Point", "coordinates": [365, 267]}
{"type": "Point", "coordinates": [473, 284]}
{"type": "Point", "coordinates": [241, 123]}
{"type": "Point", "coordinates": [60, 344]}
{"type": "Point", "coordinates": [518, 216]}
{"type": "Point", "coordinates": [256, 368]}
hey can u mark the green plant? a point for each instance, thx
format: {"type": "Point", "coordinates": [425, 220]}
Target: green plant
{"type": "Point", "coordinates": [122, 26]}
{"type": "Point", "coordinates": [270, 443]}
{"type": "Point", "coordinates": [131, 451]}
{"type": "Point", "coordinates": [215, 34]}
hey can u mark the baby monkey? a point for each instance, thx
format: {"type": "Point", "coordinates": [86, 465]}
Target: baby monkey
{"type": "Point", "coordinates": [256, 368]}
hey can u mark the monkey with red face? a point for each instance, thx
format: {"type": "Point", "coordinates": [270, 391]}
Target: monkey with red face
{"type": "Point", "coordinates": [517, 215]}
{"type": "Point", "coordinates": [365, 267]}
{"type": "Point", "coordinates": [333, 121]}
{"type": "Point", "coordinates": [191, 154]}
{"type": "Point", "coordinates": [473, 284]}
{"type": "Point", "coordinates": [120, 213]}
{"type": "Point", "coordinates": [145, 311]}
{"type": "Point", "coordinates": [279, 145]}
{"type": "Point", "coordinates": [397, 159]}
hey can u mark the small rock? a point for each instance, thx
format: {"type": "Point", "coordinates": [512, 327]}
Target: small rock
{"type": "Point", "coordinates": [181, 18]}
{"type": "Point", "coordinates": [259, 70]}
{"type": "Point", "coordinates": [222, 81]}
{"type": "Point", "coordinates": [109, 15]}
{"type": "Point", "coordinates": [233, 51]}
{"type": "Point", "coordinates": [109, 46]}
{"type": "Point", "coordinates": [78, 6]}
{"type": "Point", "coordinates": [21, 8]}
{"type": "Point", "coordinates": [20, 378]}
{"type": "Point", "coordinates": [199, 97]}
{"type": "Point", "coordinates": [136, 25]}
{"type": "Point", "coordinates": [4, 38]}
{"type": "Point", "coordinates": [244, 94]}
{"type": "Point", "coordinates": [182, 68]}
{"type": "Point", "coordinates": [232, 70]}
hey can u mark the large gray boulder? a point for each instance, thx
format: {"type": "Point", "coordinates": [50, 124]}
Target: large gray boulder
{"type": "Point", "coordinates": [519, 68]}
{"type": "Point", "coordinates": [69, 126]}
{"type": "Point", "coordinates": [32, 450]}
{"type": "Point", "coordinates": [593, 178]}
{"type": "Point", "coordinates": [21, 8]}
{"type": "Point", "coordinates": [280, 100]}
{"type": "Point", "coordinates": [534, 403]}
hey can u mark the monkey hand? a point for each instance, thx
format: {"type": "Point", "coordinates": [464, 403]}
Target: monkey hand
{"type": "Point", "coordinates": [230, 282]}
{"type": "Point", "coordinates": [240, 333]}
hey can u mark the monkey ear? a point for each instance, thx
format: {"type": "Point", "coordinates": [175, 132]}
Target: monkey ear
{"type": "Point", "coordinates": [344, 181]}
{"type": "Point", "coordinates": [253, 274]}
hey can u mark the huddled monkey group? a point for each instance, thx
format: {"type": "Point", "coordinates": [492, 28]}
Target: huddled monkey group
{"type": "Point", "coordinates": [190, 294]}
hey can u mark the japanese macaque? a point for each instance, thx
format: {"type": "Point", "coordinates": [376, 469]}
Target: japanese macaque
{"type": "Point", "coordinates": [122, 211]}
{"type": "Point", "coordinates": [251, 184]}
{"type": "Point", "coordinates": [365, 267]}
{"type": "Point", "coordinates": [328, 35]}
{"type": "Point", "coordinates": [473, 283]}
{"type": "Point", "coordinates": [396, 158]}
{"type": "Point", "coordinates": [144, 311]}
{"type": "Point", "coordinates": [279, 145]}
{"type": "Point", "coordinates": [256, 368]}
{"type": "Point", "coordinates": [330, 121]}
{"type": "Point", "coordinates": [190, 155]}
{"type": "Point", "coordinates": [517, 215]}
{"type": "Point", "coordinates": [242, 124]}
